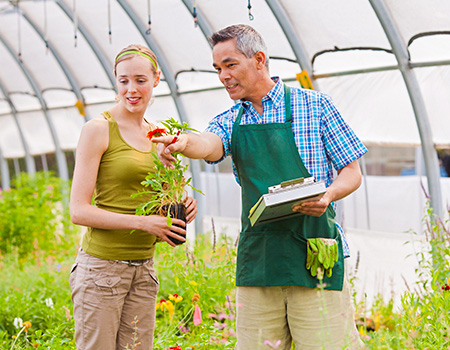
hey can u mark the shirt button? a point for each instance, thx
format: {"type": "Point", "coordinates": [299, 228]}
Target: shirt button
{"type": "Point", "coordinates": [108, 281]}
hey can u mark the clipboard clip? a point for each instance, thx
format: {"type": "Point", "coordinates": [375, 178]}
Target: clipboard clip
{"type": "Point", "coordinates": [285, 185]}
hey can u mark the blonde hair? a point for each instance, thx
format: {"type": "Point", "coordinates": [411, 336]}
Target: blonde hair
{"type": "Point", "coordinates": [123, 55]}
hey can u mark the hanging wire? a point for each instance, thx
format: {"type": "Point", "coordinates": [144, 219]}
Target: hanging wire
{"type": "Point", "coordinates": [249, 6]}
{"type": "Point", "coordinates": [19, 33]}
{"type": "Point", "coordinates": [75, 23]}
{"type": "Point", "coordinates": [194, 13]}
{"type": "Point", "coordinates": [109, 21]}
{"type": "Point", "coordinates": [45, 27]}
{"type": "Point", "coordinates": [149, 28]}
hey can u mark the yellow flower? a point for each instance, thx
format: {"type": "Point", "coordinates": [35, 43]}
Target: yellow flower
{"type": "Point", "coordinates": [161, 304]}
{"type": "Point", "coordinates": [166, 304]}
{"type": "Point", "coordinates": [377, 322]}
{"type": "Point", "coordinates": [170, 307]}
{"type": "Point", "coordinates": [175, 297]}
{"type": "Point", "coordinates": [193, 283]}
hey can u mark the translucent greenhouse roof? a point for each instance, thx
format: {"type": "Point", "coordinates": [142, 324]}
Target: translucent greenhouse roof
{"type": "Point", "coordinates": [384, 62]}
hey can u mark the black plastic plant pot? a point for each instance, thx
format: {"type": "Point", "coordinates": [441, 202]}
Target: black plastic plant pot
{"type": "Point", "coordinates": [177, 211]}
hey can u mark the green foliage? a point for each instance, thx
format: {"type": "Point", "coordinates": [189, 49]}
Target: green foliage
{"type": "Point", "coordinates": [39, 294]}
{"type": "Point", "coordinates": [166, 186]}
{"type": "Point", "coordinates": [34, 216]}
{"type": "Point", "coordinates": [426, 312]}
{"type": "Point", "coordinates": [205, 273]}
{"type": "Point", "coordinates": [202, 275]}
{"type": "Point", "coordinates": [423, 320]}
{"type": "Point", "coordinates": [173, 126]}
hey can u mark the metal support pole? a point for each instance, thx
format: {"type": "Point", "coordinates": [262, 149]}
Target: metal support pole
{"type": "Point", "coordinates": [102, 58]}
{"type": "Point", "coordinates": [60, 157]}
{"type": "Point", "coordinates": [29, 160]}
{"type": "Point", "coordinates": [4, 172]}
{"type": "Point", "coordinates": [293, 39]}
{"type": "Point", "coordinates": [67, 72]}
{"type": "Point", "coordinates": [401, 54]}
{"type": "Point", "coordinates": [202, 22]}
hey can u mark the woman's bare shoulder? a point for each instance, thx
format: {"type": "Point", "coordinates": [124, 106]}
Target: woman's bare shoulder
{"type": "Point", "coordinates": [95, 133]}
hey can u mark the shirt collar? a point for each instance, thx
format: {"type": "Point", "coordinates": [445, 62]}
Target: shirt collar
{"type": "Point", "coordinates": [276, 94]}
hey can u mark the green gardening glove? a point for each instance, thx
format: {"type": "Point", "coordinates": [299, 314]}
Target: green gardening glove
{"type": "Point", "coordinates": [322, 253]}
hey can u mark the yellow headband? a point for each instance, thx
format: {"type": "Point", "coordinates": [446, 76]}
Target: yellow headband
{"type": "Point", "coordinates": [139, 53]}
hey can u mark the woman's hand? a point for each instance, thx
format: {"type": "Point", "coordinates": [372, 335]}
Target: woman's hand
{"type": "Point", "coordinates": [191, 209]}
{"type": "Point", "coordinates": [157, 225]}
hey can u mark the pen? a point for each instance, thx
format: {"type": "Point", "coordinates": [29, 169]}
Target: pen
{"type": "Point", "coordinates": [176, 136]}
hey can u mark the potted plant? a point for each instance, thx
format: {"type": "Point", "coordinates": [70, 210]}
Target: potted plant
{"type": "Point", "coordinates": [166, 186]}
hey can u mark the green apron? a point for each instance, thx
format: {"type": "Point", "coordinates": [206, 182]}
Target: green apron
{"type": "Point", "coordinates": [274, 254]}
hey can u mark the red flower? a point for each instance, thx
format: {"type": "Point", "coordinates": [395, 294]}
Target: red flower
{"type": "Point", "coordinates": [445, 287]}
{"type": "Point", "coordinates": [175, 348]}
{"type": "Point", "coordinates": [156, 132]}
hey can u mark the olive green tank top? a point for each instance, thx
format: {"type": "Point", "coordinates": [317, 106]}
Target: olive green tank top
{"type": "Point", "coordinates": [121, 170]}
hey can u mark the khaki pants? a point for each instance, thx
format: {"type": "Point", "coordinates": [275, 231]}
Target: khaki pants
{"type": "Point", "coordinates": [313, 319]}
{"type": "Point", "coordinates": [108, 296]}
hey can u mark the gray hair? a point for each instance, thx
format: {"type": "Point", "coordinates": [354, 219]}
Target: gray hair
{"type": "Point", "coordinates": [248, 40]}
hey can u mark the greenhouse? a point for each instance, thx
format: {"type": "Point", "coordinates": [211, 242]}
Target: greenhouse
{"type": "Point", "coordinates": [384, 63]}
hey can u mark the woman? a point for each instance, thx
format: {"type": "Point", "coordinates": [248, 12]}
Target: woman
{"type": "Point", "coordinates": [113, 280]}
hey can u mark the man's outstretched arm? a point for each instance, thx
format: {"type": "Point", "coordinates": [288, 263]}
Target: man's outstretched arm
{"type": "Point", "coordinates": [206, 145]}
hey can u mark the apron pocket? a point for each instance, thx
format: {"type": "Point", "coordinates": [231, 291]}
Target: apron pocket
{"type": "Point", "coordinates": [265, 258]}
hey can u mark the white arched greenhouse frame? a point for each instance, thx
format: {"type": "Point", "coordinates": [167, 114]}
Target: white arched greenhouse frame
{"type": "Point", "coordinates": [384, 62]}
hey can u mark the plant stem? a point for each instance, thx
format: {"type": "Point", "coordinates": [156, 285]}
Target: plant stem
{"type": "Point", "coordinates": [12, 346]}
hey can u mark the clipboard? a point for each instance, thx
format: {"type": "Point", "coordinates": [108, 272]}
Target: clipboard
{"type": "Point", "coordinates": [277, 204]}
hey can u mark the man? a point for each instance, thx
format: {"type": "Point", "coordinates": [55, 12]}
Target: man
{"type": "Point", "coordinates": [276, 134]}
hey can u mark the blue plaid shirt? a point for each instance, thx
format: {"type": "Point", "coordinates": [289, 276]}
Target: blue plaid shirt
{"type": "Point", "coordinates": [323, 138]}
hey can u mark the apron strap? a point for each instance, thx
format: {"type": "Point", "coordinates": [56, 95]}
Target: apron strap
{"type": "Point", "coordinates": [287, 103]}
{"type": "Point", "coordinates": [287, 106]}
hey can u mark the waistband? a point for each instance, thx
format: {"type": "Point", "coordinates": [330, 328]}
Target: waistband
{"type": "Point", "coordinates": [135, 262]}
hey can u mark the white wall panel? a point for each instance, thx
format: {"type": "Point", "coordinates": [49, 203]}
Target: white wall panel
{"type": "Point", "coordinates": [10, 143]}
{"type": "Point", "coordinates": [68, 123]}
{"type": "Point", "coordinates": [36, 132]}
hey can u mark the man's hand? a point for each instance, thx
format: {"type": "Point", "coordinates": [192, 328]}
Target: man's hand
{"type": "Point", "coordinates": [347, 181]}
{"type": "Point", "coordinates": [165, 147]}
{"type": "Point", "coordinates": [313, 208]}
{"type": "Point", "coordinates": [206, 145]}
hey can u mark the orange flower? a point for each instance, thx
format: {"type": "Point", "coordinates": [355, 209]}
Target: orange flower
{"type": "Point", "coordinates": [156, 133]}
{"type": "Point", "coordinates": [195, 298]}
{"type": "Point", "coordinates": [27, 325]}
